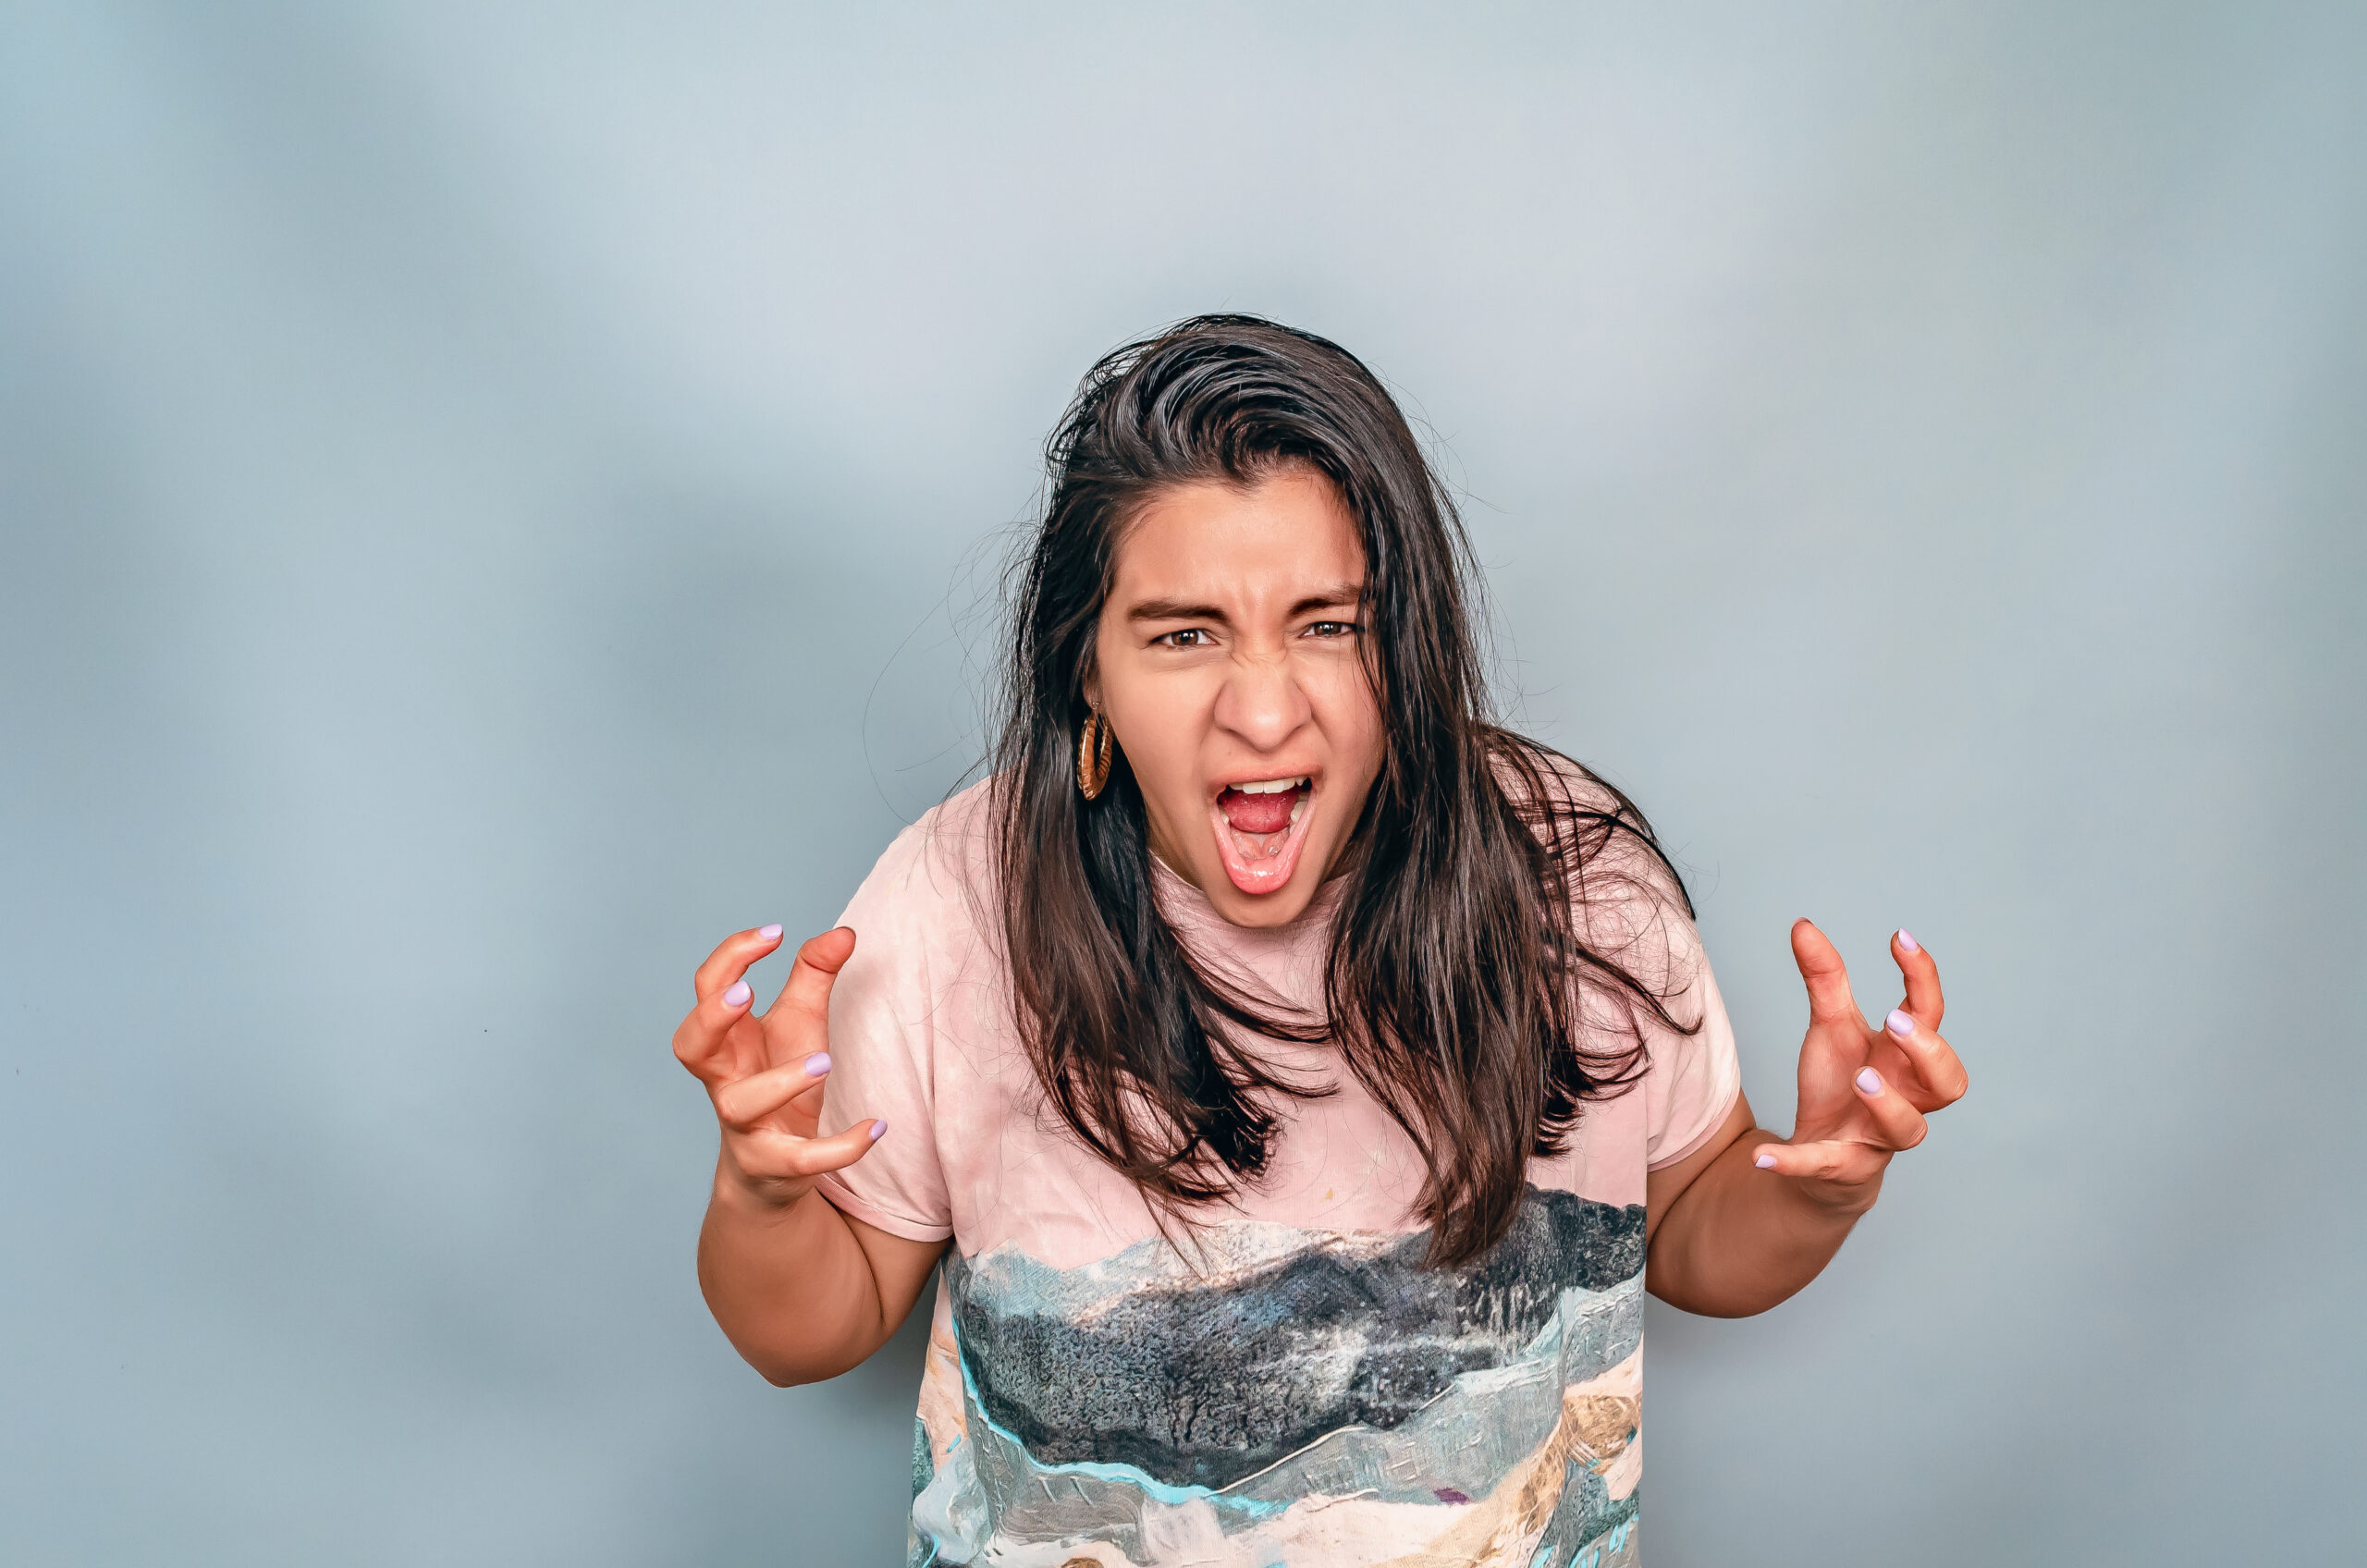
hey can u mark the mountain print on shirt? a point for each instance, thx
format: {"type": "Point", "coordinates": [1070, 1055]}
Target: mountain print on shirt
{"type": "Point", "coordinates": [1302, 1397]}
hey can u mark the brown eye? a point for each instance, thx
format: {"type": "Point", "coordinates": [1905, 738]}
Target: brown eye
{"type": "Point", "coordinates": [1190, 637]}
{"type": "Point", "coordinates": [1332, 628]}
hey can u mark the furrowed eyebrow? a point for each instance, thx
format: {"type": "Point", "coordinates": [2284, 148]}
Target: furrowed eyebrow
{"type": "Point", "coordinates": [1174, 610]}
{"type": "Point", "coordinates": [1341, 596]}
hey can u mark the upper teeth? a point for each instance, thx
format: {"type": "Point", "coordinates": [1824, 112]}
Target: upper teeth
{"type": "Point", "coordinates": [1269, 785]}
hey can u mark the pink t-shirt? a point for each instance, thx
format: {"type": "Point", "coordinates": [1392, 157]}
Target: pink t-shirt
{"type": "Point", "coordinates": [1296, 1390]}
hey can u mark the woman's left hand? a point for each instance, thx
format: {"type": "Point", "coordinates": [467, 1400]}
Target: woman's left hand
{"type": "Point", "coordinates": [1864, 1092]}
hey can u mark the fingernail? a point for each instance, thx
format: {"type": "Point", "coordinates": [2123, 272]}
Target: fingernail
{"type": "Point", "coordinates": [1907, 940]}
{"type": "Point", "coordinates": [817, 1064]}
{"type": "Point", "coordinates": [1899, 1023]}
{"type": "Point", "coordinates": [878, 1130]}
{"type": "Point", "coordinates": [1765, 1163]}
{"type": "Point", "coordinates": [1870, 1080]}
{"type": "Point", "coordinates": [737, 994]}
{"type": "Point", "coordinates": [772, 933]}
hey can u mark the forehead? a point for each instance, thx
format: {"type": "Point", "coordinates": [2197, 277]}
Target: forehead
{"type": "Point", "coordinates": [1227, 544]}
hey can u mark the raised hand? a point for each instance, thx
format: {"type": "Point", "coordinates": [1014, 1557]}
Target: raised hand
{"type": "Point", "coordinates": [1864, 1092]}
{"type": "Point", "coordinates": [764, 1074]}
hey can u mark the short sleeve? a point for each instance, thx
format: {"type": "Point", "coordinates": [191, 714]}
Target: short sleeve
{"type": "Point", "coordinates": [1693, 1079]}
{"type": "Point", "coordinates": [1630, 912]}
{"type": "Point", "coordinates": [883, 1055]}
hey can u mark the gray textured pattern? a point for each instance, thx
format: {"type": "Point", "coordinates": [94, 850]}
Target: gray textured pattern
{"type": "Point", "coordinates": [1279, 1366]}
{"type": "Point", "coordinates": [1206, 1385]}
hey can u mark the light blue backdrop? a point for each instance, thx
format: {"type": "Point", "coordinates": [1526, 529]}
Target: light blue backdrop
{"type": "Point", "coordinates": [492, 498]}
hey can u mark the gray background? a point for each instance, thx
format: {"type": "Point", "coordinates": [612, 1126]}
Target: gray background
{"type": "Point", "coordinates": [493, 499]}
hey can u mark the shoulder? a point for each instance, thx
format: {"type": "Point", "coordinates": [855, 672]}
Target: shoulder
{"type": "Point", "coordinates": [939, 872]}
{"type": "Point", "coordinates": [1626, 899]}
{"type": "Point", "coordinates": [1588, 824]}
{"type": "Point", "coordinates": [927, 922]}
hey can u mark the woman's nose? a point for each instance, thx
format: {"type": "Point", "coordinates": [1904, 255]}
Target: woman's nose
{"type": "Point", "coordinates": [1262, 704]}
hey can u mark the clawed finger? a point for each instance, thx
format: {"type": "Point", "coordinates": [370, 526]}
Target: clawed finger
{"type": "Point", "coordinates": [1922, 975]}
{"type": "Point", "coordinates": [703, 1039]}
{"type": "Point", "coordinates": [1826, 976]}
{"type": "Point", "coordinates": [744, 1102]}
{"type": "Point", "coordinates": [1900, 1125]}
{"type": "Point", "coordinates": [766, 1152]}
{"type": "Point", "coordinates": [731, 958]}
{"type": "Point", "coordinates": [807, 993]}
{"type": "Point", "coordinates": [1942, 1077]}
{"type": "Point", "coordinates": [798, 1023]}
{"type": "Point", "coordinates": [1834, 1160]}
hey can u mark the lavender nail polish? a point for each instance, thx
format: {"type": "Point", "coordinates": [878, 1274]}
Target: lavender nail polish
{"type": "Point", "coordinates": [878, 1130]}
{"type": "Point", "coordinates": [1899, 1023]}
{"type": "Point", "coordinates": [1765, 1163]}
{"type": "Point", "coordinates": [769, 933]}
{"type": "Point", "coordinates": [817, 1064]}
{"type": "Point", "coordinates": [737, 994]}
{"type": "Point", "coordinates": [1907, 940]}
{"type": "Point", "coordinates": [1870, 1080]}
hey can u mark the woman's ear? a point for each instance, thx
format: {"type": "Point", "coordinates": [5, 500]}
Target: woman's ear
{"type": "Point", "coordinates": [1092, 684]}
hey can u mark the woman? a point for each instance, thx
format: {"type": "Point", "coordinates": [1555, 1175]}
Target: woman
{"type": "Point", "coordinates": [1309, 1074]}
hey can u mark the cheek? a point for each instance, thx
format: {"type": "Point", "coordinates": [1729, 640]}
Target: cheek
{"type": "Point", "coordinates": [1158, 724]}
{"type": "Point", "coordinates": [1161, 766]}
{"type": "Point", "coordinates": [1350, 723]}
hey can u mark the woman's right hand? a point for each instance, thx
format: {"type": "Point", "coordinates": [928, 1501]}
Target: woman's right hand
{"type": "Point", "coordinates": [764, 1074]}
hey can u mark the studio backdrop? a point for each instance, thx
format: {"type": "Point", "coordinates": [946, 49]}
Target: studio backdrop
{"type": "Point", "coordinates": [494, 498]}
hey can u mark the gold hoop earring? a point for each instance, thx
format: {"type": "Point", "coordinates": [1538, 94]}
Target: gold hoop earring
{"type": "Point", "coordinates": [1093, 755]}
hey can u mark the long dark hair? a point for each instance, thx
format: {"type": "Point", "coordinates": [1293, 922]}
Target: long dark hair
{"type": "Point", "coordinates": [1471, 985]}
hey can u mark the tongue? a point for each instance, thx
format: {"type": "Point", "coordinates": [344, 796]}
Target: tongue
{"type": "Point", "coordinates": [1257, 814]}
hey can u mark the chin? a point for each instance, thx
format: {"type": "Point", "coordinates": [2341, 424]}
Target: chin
{"type": "Point", "coordinates": [1263, 911]}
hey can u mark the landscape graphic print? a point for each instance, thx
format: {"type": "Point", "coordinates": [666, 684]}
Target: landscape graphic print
{"type": "Point", "coordinates": [1292, 1396]}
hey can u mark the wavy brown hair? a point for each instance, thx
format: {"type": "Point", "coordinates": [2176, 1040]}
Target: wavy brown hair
{"type": "Point", "coordinates": [1486, 974]}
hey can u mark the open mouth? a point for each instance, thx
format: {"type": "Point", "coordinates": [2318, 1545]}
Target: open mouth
{"type": "Point", "coordinates": [1261, 826]}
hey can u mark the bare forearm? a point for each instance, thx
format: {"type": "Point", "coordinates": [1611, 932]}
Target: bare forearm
{"type": "Point", "coordinates": [1740, 1239]}
{"type": "Point", "coordinates": [791, 1286]}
